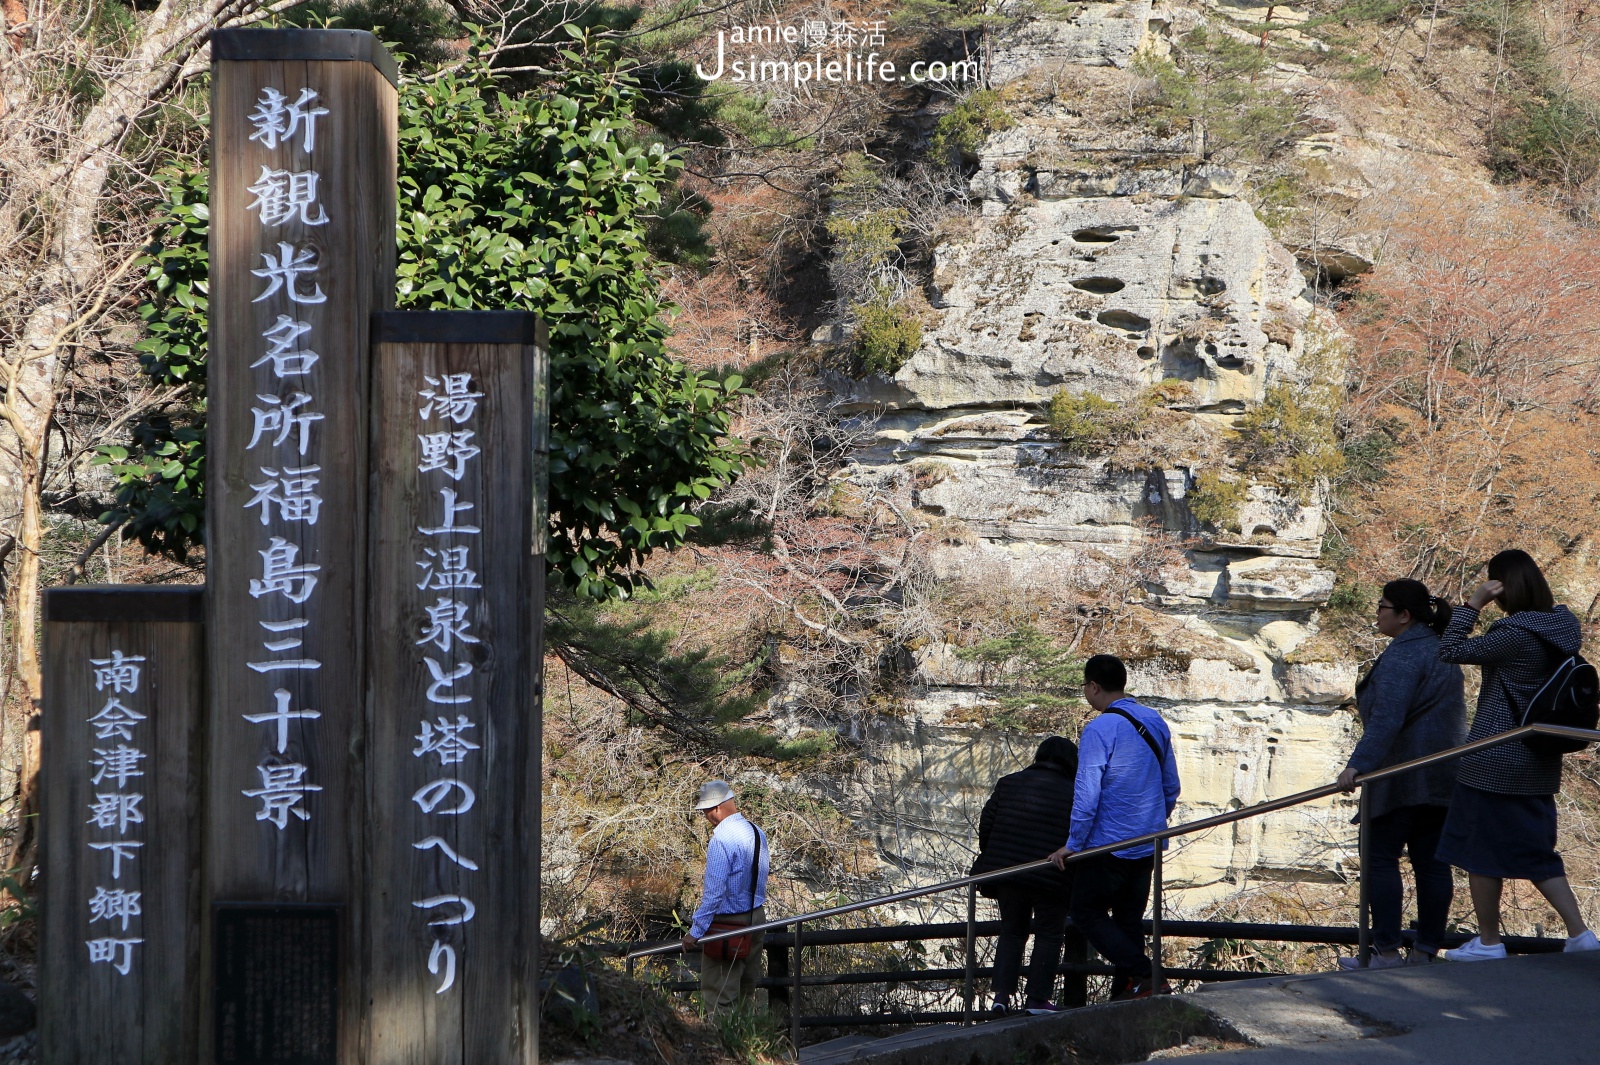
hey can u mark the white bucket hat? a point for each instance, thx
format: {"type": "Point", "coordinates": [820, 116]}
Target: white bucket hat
{"type": "Point", "coordinates": [712, 793]}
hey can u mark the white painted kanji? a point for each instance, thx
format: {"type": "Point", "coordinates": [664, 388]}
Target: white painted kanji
{"type": "Point", "coordinates": [117, 765]}
{"type": "Point", "coordinates": [122, 850]}
{"type": "Point", "coordinates": [284, 195]}
{"type": "Point", "coordinates": [277, 419]}
{"type": "Point", "coordinates": [450, 396]}
{"type": "Point", "coordinates": [282, 573]}
{"type": "Point", "coordinates": [283, 351]}
{"type": "Point", "coordinates": [446, 569]}
{"type": "Point", "coordinates": [119, 671]}
{"type": "Point", "coordinates": [115, 721]}
{"type": "Point", "coordinates": [292, 490]}
{"type": "Point", "coordinates": [445, 739]}
{"type": "Point", "coordinates": [447, 452]}
{"type": "Point", "coordinates": [451, 509]}
{"type": "Point", "coordinates": [117, 952]}
{"type": "Point", "coordinates": [284, 271]}
{"type": "Point", "coordinates": [447, 625]}
{"type": "Point", "coordinates": [281, 716]}
{"type": "Point", "coordinates": [284, 643]}
{"type": "Point", "coordinates": [116, 810]}
{"type": "Point", "coordinates": [114, 905]}
{"type": "Point", "coordinates": [276, 119]}
{"type": "Point", "coordinates": [282, 789]}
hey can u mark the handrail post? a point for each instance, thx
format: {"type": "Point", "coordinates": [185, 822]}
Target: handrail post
{"type": "Point", "coordinates": [1155, 919]}
{"type": "Point", "coordinates": [972, 951]}
{"type": "Point", "coordinates": [1364, 905]}
{"type": "Point", "coordinates": [630, 966]}
{"type": "Point", "coordinates": [794, 995]}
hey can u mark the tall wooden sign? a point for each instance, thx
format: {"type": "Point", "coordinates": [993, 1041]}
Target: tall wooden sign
{"type": "Point", "coordinates": [453, 670]}
{"type": "Point", "coordinates": [120, 944]}
{"type": "Point", "coordinates": [302, 253]}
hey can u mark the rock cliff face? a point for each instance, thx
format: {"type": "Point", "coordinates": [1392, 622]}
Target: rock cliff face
{"type": "Point", "coordinates": [1100, 277]}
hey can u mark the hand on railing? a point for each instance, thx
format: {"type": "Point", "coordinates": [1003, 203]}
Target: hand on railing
{"type": "Point", "coordinates": [1347, 780]}
{"type": "Point", "coordinates": [1059, 858]}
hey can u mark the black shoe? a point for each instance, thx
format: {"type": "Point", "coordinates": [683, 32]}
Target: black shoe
{"type": "Point", "coordinates": [1002, 1008]}
{"type": "Point", "coordinates": [1145, 989]}
{"type": "Point", "coordinates": [1121, 988]}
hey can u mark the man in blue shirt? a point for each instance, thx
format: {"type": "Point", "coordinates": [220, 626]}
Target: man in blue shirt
{"type": "Point", "coordinates": [1127, 785]}
{"type": "Point", "coordinates": [729, 968]}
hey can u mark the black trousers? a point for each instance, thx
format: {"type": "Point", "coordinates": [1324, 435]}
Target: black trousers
{"type": "Point", "coordinates": [1109, 895]}
{"type": "Point", "coordinates": [1414, 829]}
{"type": "Point", "coordinates": [1020, 912]}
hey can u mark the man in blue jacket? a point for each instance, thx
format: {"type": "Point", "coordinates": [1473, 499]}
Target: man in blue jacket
{"type": "Point", "coordinates": [1126, 786]}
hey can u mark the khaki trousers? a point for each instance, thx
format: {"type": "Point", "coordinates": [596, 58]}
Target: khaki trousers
{"type": "Point", "coordinates": [723, 983]}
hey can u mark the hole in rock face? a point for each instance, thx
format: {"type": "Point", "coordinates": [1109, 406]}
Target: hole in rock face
{"type": "Point", "coordinates": [1211, 349]}
{"type": "Point", "coordinates": [1102, 286]}
{"type": "Point", "coordinates": [1211, 286]}
{"type": "Point", "coordinates": [1117, 319]}
{"type": "Point", "coordinates": [1146, 352]}
{"type": "Point", "coordinates": [1054, 242]}
{"type": "Point", "coordinates": [1232, 362]}
{"type": "Point", "coordinates": [1097, 235]}
{"type": "Point", "coordinates": [1084, 315]}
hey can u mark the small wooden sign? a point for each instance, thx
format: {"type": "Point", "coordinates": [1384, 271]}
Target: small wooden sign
{"type": "Point", "coordinates": [120, 942]}
{"type": "Point", "coordinates": [277, 984]}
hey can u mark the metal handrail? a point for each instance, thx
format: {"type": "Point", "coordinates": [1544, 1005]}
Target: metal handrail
{"type": "Point", "coordinates": [1364, 945]}
{"type": "Point", "coordinates": [1205, 823]}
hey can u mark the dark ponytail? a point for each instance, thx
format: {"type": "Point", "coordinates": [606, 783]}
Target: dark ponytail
{"type": "Point", "coordinates": [1412, 597]}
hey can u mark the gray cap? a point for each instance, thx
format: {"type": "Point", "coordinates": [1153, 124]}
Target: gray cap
{"type": "Point", "coordinates": [712, 793]}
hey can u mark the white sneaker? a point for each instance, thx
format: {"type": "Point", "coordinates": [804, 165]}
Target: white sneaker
{"type": "Point", "coordinates": [1474, 950]}
{"type": "Point", "coordinates": [1584, 940]}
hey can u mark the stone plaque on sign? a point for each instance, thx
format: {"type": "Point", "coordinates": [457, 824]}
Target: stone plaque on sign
{"type": "Point", "coordinates": [277, 985]}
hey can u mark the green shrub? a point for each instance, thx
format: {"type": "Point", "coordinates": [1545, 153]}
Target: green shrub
{"type": "Point", "coordinates": [1212, 80]}
{"type": "Point", "coordinates": [1215, 500]}
{"type": "Point", "coordinates": [887, 334]}
{"type": "Point", "coordinates": [1086, 423]}
{"type": "Point", "coordinates": [1089, 424]}
{"type": "Point", "coordinates": [960, 134]}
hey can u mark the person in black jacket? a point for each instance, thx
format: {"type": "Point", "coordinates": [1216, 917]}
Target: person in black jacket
{"type": "Point", "coordinates": [1026, 818]}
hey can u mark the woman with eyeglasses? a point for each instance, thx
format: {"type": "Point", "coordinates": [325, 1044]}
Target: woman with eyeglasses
{"type": "Point", "coordinates": [1502, 823]}
{"type": "Point", "coordinates": [1411, 704]}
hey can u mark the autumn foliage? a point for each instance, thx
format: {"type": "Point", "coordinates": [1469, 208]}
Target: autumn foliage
{"type": "Point", "coordinates": [1473, 406]}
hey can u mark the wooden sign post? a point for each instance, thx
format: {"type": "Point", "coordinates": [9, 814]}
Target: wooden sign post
{"type": "Point", "coordinates": [120, 945]}
{"type": "Point", "coordinates": [454, 666]}
{"type": "Point", "coordinates": [303, 176]}
{"type": "Point", "coordinates": [317, 842]}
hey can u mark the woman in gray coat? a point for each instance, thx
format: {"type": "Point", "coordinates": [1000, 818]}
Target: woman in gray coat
{"type": "Point", "coordinates": [1411, 704]}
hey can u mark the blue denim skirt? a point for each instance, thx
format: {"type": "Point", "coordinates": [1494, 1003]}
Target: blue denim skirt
{"type": "Point", "coordinates": [1512, 837]}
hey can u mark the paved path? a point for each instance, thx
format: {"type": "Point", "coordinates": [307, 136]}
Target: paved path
{"type": "Point", "coordinates": [1536, 1010]}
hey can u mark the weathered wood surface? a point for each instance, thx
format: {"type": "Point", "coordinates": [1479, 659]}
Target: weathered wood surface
{"type": "Point", "coordinates": [292, 493]}
{"type": "Point", "coordinates": [463, 992]}
{"type": "Point", "coordinates": [90, 1011]}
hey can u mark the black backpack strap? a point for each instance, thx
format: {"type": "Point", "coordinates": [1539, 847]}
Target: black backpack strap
{"type": "Point", "coordinates": [1144, 734]}
{"type": "Point", "coordinates": [755, 871]}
